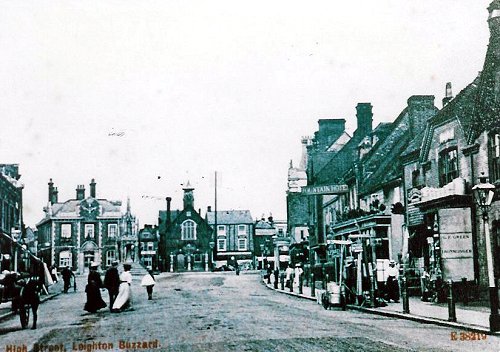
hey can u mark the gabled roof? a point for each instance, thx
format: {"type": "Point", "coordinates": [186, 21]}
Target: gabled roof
{"type": "Point", "coordinates": [460, 108]}
{"type": "Point", "coordinates": [230, 217]}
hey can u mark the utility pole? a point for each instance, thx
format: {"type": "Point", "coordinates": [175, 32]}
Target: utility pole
{"type": "Point", "coordinates": [215, 222]}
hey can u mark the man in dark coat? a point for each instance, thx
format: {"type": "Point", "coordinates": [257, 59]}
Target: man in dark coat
{"type": "Point", "coordinates": [66, 274]}
{"type": "Point", "coordinates": [112, 283]}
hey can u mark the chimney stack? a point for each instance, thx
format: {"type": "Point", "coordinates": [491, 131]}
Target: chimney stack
{"type": "Point", "coordinates": [448, 95]}
{"type": "Point", "coordinates": [80, 192]}
{"type": "Point", "coordinates": [55, 197]}
{"type": "Point", "coordinates": [364, 116]}
{"type": "Point", "coordinates": [494, 17]}
{"type": "Point", "coordinates": [420, 109]}
{"type": "Point", "coordinates": [209, 209]}
{"type": "Point", "coordinates": [92, 188]}
{"type": "Point", "coordinates": [51, 190]}
{"type": "Point", "coordinates": [169, 199]}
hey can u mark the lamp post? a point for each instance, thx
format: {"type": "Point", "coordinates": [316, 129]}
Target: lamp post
{"type": "Point", "coordinates": [483, 196]}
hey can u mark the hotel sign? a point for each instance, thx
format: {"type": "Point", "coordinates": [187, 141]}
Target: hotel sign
{"type": "Point", "coordinates": [325, 189]}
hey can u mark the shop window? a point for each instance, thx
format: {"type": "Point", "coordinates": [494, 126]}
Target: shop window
{"type": "Point", "coordinates": [494, 146]}
{"type": "Point", "coordinates": [188, 230]}
{"type": "Point", "coordinates": [66, 231]}
{"type": "Point", "coordinates": [197, 258]}
{"type": "Point", "coordinates": [64, 259]}
{"type": "Point", "coordinates": [448, 166]}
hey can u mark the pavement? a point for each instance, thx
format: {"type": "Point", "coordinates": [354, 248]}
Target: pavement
{"type": "Point", "coordinates": [474, 319]}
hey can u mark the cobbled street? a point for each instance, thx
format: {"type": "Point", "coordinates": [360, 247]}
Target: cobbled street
{"type": "Point", "coordinates": [222, 312]}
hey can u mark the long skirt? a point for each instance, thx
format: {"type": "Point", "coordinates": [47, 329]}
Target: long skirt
{"type": "Point", "coordinates": [123, 299]}
{"type": "Point", "coordinates": [94, 299]}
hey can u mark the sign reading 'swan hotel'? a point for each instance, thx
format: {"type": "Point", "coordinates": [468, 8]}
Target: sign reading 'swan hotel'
{"type": "Point", "coordinates": [325, 189]}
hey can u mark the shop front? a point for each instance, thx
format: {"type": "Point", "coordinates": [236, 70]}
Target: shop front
{"type": "Point", "coordinates": [442, 247]}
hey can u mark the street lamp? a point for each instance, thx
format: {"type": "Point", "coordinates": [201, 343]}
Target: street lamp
{"type": "Point", "coordinates": [483, 196]}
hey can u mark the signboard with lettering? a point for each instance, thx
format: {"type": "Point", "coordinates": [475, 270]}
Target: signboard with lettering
{"type": "Point", "coordinates": [325, 189]}
{"type": "Point", "coordinates": [357, 247]}
{"type": "Point", "coordinates": [455, 233]}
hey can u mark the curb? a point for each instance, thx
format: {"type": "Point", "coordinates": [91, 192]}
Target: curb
{"type": "Point", "coordinates": [416, 318]}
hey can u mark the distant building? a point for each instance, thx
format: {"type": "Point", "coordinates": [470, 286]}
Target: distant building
{"type": "Point", "coordinates": [234, 235]}
{"type": "Point", "coordinates": [82, 230]}
{"type": "Point", "coordinates": [148, 246]}
{"type": "Point", "coordinates": [185, 237]}
{"type": "Point", "coordinates": [271, 243]}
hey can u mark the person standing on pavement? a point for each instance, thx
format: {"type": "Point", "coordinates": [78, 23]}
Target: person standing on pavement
{"type": "Point", "coordinates": [298, 272]}
{"type": "Point", "coordinates": [148, 281]}
{"type": "Point", "coordinates": [392, 283]}
{"type": "Point", "coordinates": [93, 290]}
{"type": "Point", "coordinates": [112, 283]}
{"type": "Point", "coordinates": [67, 274]}
{"type": "Point", "coordinates": [288, 273]}
{"type": "Point", "coordinates": [124, 298]}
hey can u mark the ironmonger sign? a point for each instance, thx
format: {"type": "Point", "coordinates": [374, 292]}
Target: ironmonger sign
{"type": "Point", "coordinates": [325, 189]}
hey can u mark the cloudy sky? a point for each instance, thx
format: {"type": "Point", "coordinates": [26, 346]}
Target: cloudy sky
{"type": "Point", "coordinates": [145, 95]}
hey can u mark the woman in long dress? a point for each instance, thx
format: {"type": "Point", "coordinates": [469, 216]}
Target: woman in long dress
{"type": "Point", "coordinates": [124, 298]}
{"type": "Point", "coordinates": [93, 290]}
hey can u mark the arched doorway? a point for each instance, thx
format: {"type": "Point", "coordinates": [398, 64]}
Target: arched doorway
{"type": "Point", "coordinates": [181, 262]}
{"type": "Point", "coordinates": [89, 250]}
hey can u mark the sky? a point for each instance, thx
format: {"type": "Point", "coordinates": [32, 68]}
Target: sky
{"type": "Point", "coordinates": [144, 96]}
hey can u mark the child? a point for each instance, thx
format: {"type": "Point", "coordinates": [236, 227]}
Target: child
{"type": "Point", "coordinates": [149, 281]}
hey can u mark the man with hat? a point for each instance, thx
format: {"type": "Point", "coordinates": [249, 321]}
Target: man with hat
{"type": "Point", "coordinates": [392, 283]}
{"type": "Point", "coordinates": [112, 282]}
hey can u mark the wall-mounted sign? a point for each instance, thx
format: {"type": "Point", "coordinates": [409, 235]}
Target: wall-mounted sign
{"type": "Point", "coordinates": [455, 233]}
{"type": "Point", "coordinates": [325, 189]}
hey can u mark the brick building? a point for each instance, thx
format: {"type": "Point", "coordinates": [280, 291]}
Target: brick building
{"type": "Point", "coordinates": [84, 229]}
{"type": "Point", "coordinates": [185, 237]}
{"type": "Point", "coordinates": [234, 236]}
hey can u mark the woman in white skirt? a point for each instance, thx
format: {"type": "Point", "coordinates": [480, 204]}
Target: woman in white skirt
{"type": "Point", "coordinates": [124, 298]}
{"type": "Point", "coordinates": [148, 281]}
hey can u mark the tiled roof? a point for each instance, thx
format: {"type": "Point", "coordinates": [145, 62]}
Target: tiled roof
{"type": "Point", "coordinates": [342, 161]}
{"type": "Point", "coordinates": [71, 208]}
{"type": "Point", "coordinates": [230, 217]}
